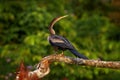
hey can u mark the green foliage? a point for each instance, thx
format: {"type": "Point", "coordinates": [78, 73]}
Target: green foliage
{"type": "Point", "coordinates": [24, 31]}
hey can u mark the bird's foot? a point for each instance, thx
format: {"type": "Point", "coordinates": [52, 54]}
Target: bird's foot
{"type": "Point", "coordinates": [62, 54]}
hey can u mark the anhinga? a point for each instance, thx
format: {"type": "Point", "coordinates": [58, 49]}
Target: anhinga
{"type": "Point", "coordinates": [59, 42]}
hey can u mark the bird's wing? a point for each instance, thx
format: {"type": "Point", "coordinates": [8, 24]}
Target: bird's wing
{"type": "Point", "coordinates": [61, 42]}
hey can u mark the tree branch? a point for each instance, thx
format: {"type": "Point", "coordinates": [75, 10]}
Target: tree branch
{"type": "Point", "coordinates": [43, 69]}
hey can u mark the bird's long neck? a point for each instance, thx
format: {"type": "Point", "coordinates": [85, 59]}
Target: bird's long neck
{"type": "Point", "coordinates": [52, 31]}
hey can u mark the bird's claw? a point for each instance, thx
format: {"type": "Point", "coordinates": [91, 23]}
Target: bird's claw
{"type": "Point", "coordinates": [62, 54]}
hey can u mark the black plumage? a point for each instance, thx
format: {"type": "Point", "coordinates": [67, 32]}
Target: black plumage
{"type": "Point", "coordinates": [60, 42]}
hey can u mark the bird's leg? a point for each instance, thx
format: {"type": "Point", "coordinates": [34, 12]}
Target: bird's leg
{"type": "Point", "coordinates": [56, 50]}
{"type": "Point", "coordinates": [62, 53]}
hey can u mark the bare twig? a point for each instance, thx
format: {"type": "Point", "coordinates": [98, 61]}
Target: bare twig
{"type": "Point", "coordinates": [43, 66]}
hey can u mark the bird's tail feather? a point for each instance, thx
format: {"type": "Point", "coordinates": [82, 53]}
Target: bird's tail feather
{"type": "Point", "coordinates": [76, 53]}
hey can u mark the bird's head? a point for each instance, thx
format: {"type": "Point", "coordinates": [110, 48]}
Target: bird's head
{"type": "Point", "coordinates": [53, 22]}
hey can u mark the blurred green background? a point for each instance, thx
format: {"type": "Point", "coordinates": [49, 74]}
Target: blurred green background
{"type": "Point", "coordinates": [93, 27]}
